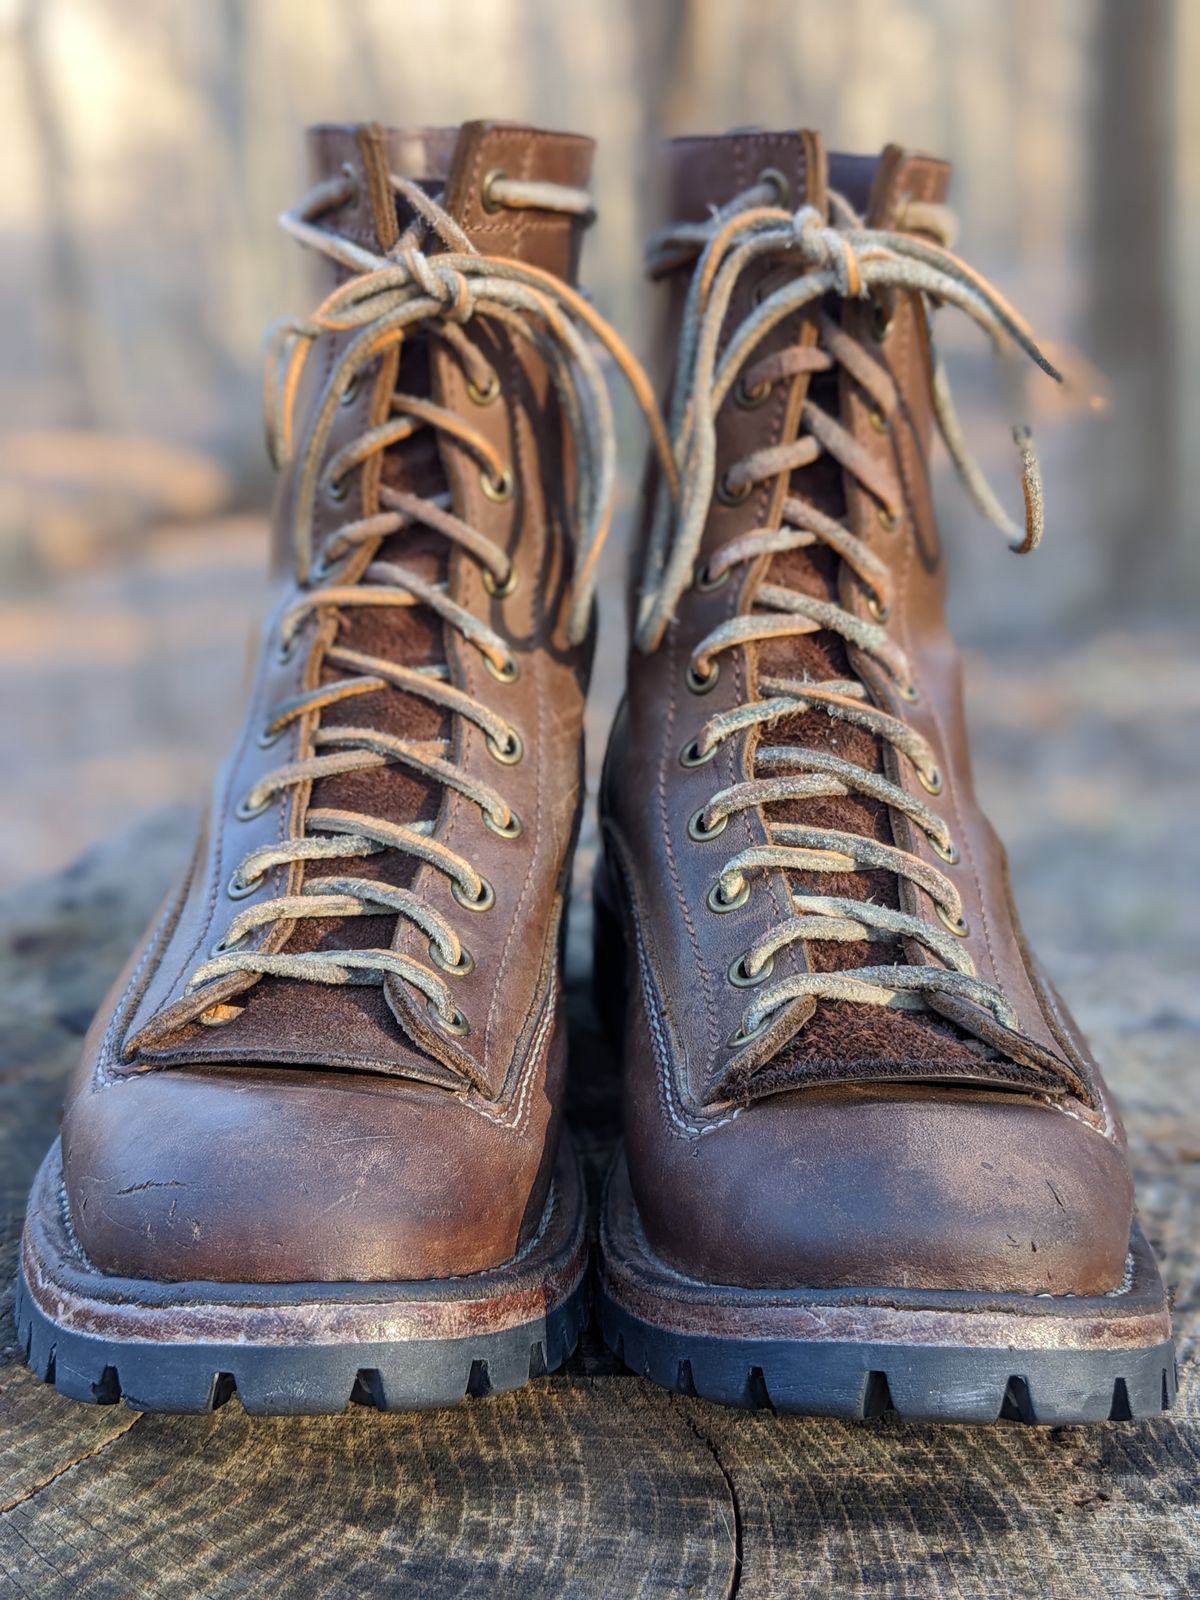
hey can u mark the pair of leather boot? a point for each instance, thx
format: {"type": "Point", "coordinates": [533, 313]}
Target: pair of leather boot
{"type": "Point", "coordinates": [314, 1151]}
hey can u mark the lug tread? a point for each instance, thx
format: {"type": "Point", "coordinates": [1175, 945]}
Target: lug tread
{"type": "Point", "coordinates": [309, 1380]}
{"type": "Point", "coordinates": [863, 1382]}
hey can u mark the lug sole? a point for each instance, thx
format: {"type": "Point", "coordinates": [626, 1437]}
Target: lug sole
{"type": "Point", "coordinates": [299, 1349]}
{"type": "Point", "coordinates": [926, 1355]}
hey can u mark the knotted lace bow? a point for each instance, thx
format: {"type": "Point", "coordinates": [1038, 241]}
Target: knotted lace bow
{"type": "Point", "coordinates": [405, 288]}
{"type": "Point", "coordinates": [849, 260]}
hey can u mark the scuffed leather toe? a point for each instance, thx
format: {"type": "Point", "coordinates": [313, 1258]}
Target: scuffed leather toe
{"type": "Point", "coordinates": [263, 1175]}
{"type": "Point", "coordinates": [907, 1188]}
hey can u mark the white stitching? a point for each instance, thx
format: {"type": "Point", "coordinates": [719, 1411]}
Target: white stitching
{"type": "Point", "coordinates": [515, 1118]}
{"type": "Point", "coordinates": [668, 1096]}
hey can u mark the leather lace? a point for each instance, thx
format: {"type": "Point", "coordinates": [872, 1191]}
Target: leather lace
{"type": "Point", "coordinates": [843, 261]}
{"type": "Point", "coordinates": [389, 297]}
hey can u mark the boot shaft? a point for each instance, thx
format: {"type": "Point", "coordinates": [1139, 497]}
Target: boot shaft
{"type": "Point", "coordinates": [442, 449]}
{"type": "Point", "coordinates": [791, 616]}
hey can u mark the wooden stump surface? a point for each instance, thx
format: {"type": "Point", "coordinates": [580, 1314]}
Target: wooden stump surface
{"type": "Point", "coordinates": [592, 1482]}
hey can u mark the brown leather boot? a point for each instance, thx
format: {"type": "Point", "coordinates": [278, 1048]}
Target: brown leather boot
{"type": "Point", "coordinates": [868, 1161]}
{"type": "Point", "coordinates": [313, 1150]}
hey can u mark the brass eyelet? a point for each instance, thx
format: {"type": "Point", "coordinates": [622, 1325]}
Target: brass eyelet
{"type": "Point", "coordinates": [733, 497]}
{"type": "Point", "coordinates": [511, 829]}
{"type": "Point", "coordinates": [745, 980]}
{"type": "Point", "coordinates": [691, 756]}
{"type": "Point", "coordinates": [950, 855]}
{"type": "Point", "coordinates": [268, 736]}
{"type": "Point", "coordinates": [245, 812]}
{"type": "Point", "coordinates": [880, 613]}
{"type": "Point", "coordinates": [350, 393]}
{"type": "Point", "coordinates": [932, 781]}
{"type": "Point", "coordinates": [489, 392]}
{"type": "Point", "coordinates": [507, 754]}
{"type": "Point", "coordinates": [908, 692]}
{"type": "Point", "coordinates": [702, 682]}
{"type": "Point", "coordinates": [717, 901]}
{"type": "Point", "coordinates": [224, 946]}
{"type": "Point", "coordinates": [889, 520]}
{"type": "Point", "coordinates": [465, 964]}
{"type": "Point", "coordinates": [697, 830]}
{"type": "Point", "coordinates": [500, 589]}
{"type": "Point", "coordinates": [777, 181]}
{"type": "Point", "coordinates": [879, 421]}
{"type": "Point", "coordinates": [498, 489]}
{"type": "Point", "coordinates": [508, 673]}
{"type": "Point", "coordinates": [495, 176]}
{"type": "Point", "coordinates": [455, 1023]}
{"type": "Point", "coordinates": [237, 890]}
{"type": "Point", "coordinates": [705, 583]}
{"type": "Point", "coordinates": [487, 897]}
{"type": "Point", "coordinates": [741, 1036]}
{"type": "Point", "coordinates": [960, 928]}
{"type": "Point", "coordinates": [751, 399]}
{"type": "Point", "coordinates": [337, 488]}
{"type": "Point", "coordinates": [286, 649]}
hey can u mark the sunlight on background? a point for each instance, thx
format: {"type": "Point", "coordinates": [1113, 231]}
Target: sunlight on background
{"type": "Point", "coordinates": [150, 148]}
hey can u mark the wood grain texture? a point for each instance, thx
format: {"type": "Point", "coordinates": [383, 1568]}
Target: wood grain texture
{"type": "Point", "coordinates": [592, 1483]}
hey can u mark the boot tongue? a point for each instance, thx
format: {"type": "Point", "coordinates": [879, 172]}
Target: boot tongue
{"type": "Point", "coordinates": [704, 174]}
{"type": "Point", "coordinates": [853, 178]}
{"type": "Point", "coordinates": [453, 166]}
{"type": "Point", "coordinates": [839, 1032]}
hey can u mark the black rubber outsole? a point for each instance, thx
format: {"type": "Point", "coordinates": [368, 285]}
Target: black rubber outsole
{"type": "Point", "coordinates": [299, 1379]}
{"type": "Point", "coordinates": [919, 1384]}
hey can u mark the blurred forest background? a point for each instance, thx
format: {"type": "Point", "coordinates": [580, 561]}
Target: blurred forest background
{"type": "Point", "coordinates": [149, 145]}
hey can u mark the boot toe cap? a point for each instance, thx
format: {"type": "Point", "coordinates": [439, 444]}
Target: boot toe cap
{"type": "Point", "coordinates": [267, 1175]}
{"type": "Point", "coordinates": [935, 1189]}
